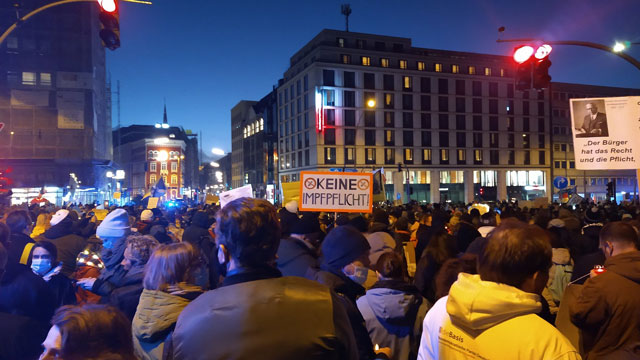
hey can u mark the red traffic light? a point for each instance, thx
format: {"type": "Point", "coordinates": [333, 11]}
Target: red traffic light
{"type": "Point", "coordinates": [543, 51]}
{"type": "Point", "coordinates": [108, 5]}
{"type": "Point", "coordinates": [522, 54]}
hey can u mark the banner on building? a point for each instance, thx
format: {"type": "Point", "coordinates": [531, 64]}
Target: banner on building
{"type": "Point", "coordinates": [606, 133]}
{"type": "Point", "coordinates": [228, 196]}
{"type": "Point", "coordinates": [336, 191]}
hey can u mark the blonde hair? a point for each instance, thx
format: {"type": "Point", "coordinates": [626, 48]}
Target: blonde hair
{"type": "Point", "coordinates": [171, 264]}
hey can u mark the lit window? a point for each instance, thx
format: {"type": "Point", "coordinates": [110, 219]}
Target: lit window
{"type": "Point", "coordinates": [164, 178]}
{"type": "Point", "coordinates": [28, 78]}
{"type": "Point", "coordinates": [257, 126]}
{"type": "Point", "coordinates": [426, 154]}
{"type": "Point", "coordinates": [163, 166]}
{"type": "Point", "coordinates": [261, 124]}
{"type": "Point", "coordinates": [152, 179]}
{"type": "Point", "coordinates": [502, 73]}
{"type": "Point", "coordinates": [341, 42]}
{"type": "Point", "coordinates": [421, 65]}
{"type": "Point", "coordinates": [174, 166]}
{"type": "Point", "coordinates": [45, 79]}
{"type": "Point", "coordinates": [244, 133]}
{"type": "Point", "coordinates": [403, 64]}
{"type": "Point", "coordinates": [438, 67]}
{"type": "Point", "coordinates": [174, 179]}
{"type": "Point", "coordinates": [408, 154]}
{"type": "Point", "coordinates": [462, 155]}
{"type": "Point", "coordinates": [444, 155]}
{"type": "Point", "coordinates": [487, 71]}
{"type": "Point", "coordinates": [384, 62]}
{"type": "Point", "coordinates": [366, 61]}
{"type": "Point", "coordinates": [455, 69]}
{"type": "Point", "coordinates": [406, 82]}
{"type": "Point", "coordinates": [152, 166]}
{"type": "Point", "coordinates": [346, 59]}
{"type": "Point", "coordinates": [477, 155]}
{"type": "Point", "coordinates": [472, 70]}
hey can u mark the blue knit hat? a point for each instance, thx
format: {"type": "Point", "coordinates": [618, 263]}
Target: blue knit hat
{"type": "Point", "coordinates": [342, 246]}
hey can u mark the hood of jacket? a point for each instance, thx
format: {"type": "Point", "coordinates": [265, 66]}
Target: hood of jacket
{"type": "Point", "coordinates": [626, 265]}
{"type": "Point", "coordinates": [561, 256]}
{"type": "Point", "coordinates": [479, 305]}
{"type": "Point", "coordinates": [60, 229]}
{"type": "Point", "coordinates": [393, 306]}
{"type": "Point", "coordinates": [485, 230]}
{"type": "Point", "coordinates": [378, 226]}
{"type": "Point", "coordinates": [156, 315]}
{"type": "Point", "coordinates": [336, 282]}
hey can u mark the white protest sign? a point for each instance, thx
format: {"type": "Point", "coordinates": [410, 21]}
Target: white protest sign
{"type": "Point", "coordinates": [336, 191]}
{"type": "Point", "coordinates": [606, 133]}
{"type": "Point", "coordinates": [228, 196]}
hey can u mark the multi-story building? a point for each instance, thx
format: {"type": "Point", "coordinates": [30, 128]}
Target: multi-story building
{"type": "Point", "coordinates": [54, 98]}
{"type": "Point", "coordinates": [147, 152]}
{"type": "Point", "coordinates": [450, 121]}
{"type": "Point", "coordinates": [257, 145]}
{"type": "Point", "coordinates": [592, 183]}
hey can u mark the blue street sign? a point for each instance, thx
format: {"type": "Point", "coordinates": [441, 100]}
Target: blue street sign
{"type": "Point", "coordinates": [341, 170]}
{"type": "Point", "coordinates": [560, 182]}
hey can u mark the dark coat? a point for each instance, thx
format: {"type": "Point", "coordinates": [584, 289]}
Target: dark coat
{"type": "Point", "coordinates": [259, 315]}
{"type": "Point", "coordinates": [608, 310]}
{"type": "Point", "coordinates": [426, 271]}
{"type": "Point", "coordinates": [465, 235]}
{"type": "Point", "coordinates": [21, 337]}
{"type": "Point", "coordinates": [68, 244]}
{"type": "Point", "coordinates": [24, 293]}
{"type": "Point", "coordinates": [120, 277]}
{"type": "Point", "coordinates": [583, 265]}
{"type": "Point", "coordinates": [295, 258]}
{"type": "Point", "coordinates": [63, 290]}
{"type": "Point", "coordinates": [17, 243]}
{"type": "Point", "coordinates": [126, 299]}
{"type": "Point", "coordinates": [198, 234]}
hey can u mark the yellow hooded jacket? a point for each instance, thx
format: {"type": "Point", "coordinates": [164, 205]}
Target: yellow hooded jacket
{"type": "Point", "coordinates": [486, 320]}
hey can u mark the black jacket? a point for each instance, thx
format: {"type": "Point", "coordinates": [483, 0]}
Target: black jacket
{"type": "Point", "coordinates": [21, 337]}
{"type": "Point", "coordinates": [69, 245]}
{"type": "Point", "coordinates": [198, 234]}
{"type": "Point", "coordinates": [295, 258]}
{"type": "Point", "coordinates": [63, 290]}
{"type": "Point", "coordinates": [17, 243]}
{"type": "Point", "coordinates": [120, 277]}
{"type": "Point", "coordinates": [24, 293]}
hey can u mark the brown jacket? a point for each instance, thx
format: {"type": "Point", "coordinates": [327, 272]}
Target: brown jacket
{"type": "Point", "coordinates": [608, 310]}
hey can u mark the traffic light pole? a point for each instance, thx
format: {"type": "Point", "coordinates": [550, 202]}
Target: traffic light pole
{"type": "Point", "coordinates": [588, 44]}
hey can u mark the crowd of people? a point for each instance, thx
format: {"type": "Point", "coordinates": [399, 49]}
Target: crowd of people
{"type": "Point", "coordinates": [249, 280]}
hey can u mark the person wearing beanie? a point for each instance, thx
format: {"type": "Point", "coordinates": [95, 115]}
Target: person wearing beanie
{"type": "Point", "coordinates": [287, 219]}
{"type": "Point", "coordinates": [68, 244]}
{"type": "Point", "coordinates": [344, 269]}
{"type": "Point", "coordinates": [146, 219]}
{"type": "Point", "coordinates": [299, 252]}
{"type": "Point", "coordinates": [379, 221]}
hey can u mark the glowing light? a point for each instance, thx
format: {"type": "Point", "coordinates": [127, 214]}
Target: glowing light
{"type": "Point", "coordinates": [217, 151]}
{"type": "Point", "coordinates": [158, 126]}
{"type": "Point", "coordinates": [319, 111]}
{"type": "Point", "coordinates": [109, 174]}
{"type": "Point", "coordinates": [543, 51]}
{"type": "Point", "coordinates": [522, 54]}
{"type": "Point", "coordinates": [165, 126]}
{"type": "Point", "coordinates": [163, 155]}
{"type": "Point", "coordinates": [618, 47]}
{"type": "Point", "coordinates": [108, 5]}
{"type": "Point", "coordinates": [214, 164]}
{"type": "Point", "coordinates": [119, 175]}
{"type": "Point", "coordinates": [371, 103]}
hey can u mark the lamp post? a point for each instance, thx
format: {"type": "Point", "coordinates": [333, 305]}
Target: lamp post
{"type": "Point", "coordinates": [369, 104]}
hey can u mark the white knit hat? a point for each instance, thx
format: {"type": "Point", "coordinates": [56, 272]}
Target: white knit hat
{"type": "Point", "coordinates": [292, 207]}
{"type": "Point", "coordinates": [116, 224]}
{"type": "Point", "coordinates": [59, 216]}
{"type": "Point", "coordinates": [146, 215]}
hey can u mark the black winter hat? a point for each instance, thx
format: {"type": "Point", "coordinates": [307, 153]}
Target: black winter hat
{"type": "Point", "coordinates": [342, 246]}
{"type": "Point", "coordinates": [307, 224]}
{"type": "Point", "coordinates": [592, 215]}
{"type": "Point", "coordinates": [380, 216]}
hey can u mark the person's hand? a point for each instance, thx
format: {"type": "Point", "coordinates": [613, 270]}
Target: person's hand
{"type": "Point", "coordinates": [580, 131]}
{"type": "Point", "coordinates": [596, 131]}
{"type": "Point", "coordinates": [86, 283]}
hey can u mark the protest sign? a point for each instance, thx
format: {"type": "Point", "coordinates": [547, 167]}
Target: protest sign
{"type": "Point", "coordinates": [290, 191]}
{"type": "Point", "coordinates": [228, 196]}
{"type": "Point", "coordinates": [606, 133]}
{"type": "Point", "coordinates": [211, 199]}
{"type": "Point", "coordinates": [336, 191]}
{"type": "Point", "coordinates": [153, 203]}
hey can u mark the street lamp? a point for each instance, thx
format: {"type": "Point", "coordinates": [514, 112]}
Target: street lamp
{"type": "Point", "coordinates": [217, 151]}
{"type": "Point", "coordinates": [618, 47]}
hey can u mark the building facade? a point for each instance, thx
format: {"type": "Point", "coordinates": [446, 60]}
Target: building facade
{"type": "Point", "coordinates": [54, 97]}
{"type": "Point", "coordinates": [443, 125]}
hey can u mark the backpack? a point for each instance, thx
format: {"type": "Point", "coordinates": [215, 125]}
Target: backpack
{"type": "Point", "coordinates": [560, 280]}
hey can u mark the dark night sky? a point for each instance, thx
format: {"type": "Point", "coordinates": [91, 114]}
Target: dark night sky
{"type": "Point", "coordinates": [206, 56]}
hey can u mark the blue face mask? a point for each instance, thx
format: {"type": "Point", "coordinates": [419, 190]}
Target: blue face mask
{"type": "Point", "coordinates": [359, 275]}
{"type": "Point", "coordinates": [41, 266]}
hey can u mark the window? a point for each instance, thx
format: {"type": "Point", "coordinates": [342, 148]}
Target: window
{"type": "Point", "coordinates": [425, 102]}
{"type": "Point", "coordinates": [420, 65]}
{"type": "Point", "coordinates": [525, 124]}
{"type": "Point", "coordinates": [426, 156]}
{"type": "Point", "coordinates": [542, 157]}
{"type": "Point", "coordinates": [444, 138]}
{"type": "Point", "coordinates": [477, 123]}
{"type": "Point", "coordinates": [472, 70]}
{"type": "Point", "coordinates": [407, 102]}
{"type": "Point", "coordinates": [384, 62]}
{"type": "Point", "coordinates": [540, 109]}
{"type": "Point", "coordinates": [511, 157]}
{"type": "Point", "coordinates": [330, 117]}
{"type": "Point", "coordinates": [477, 140]}
{"type": "Point", "coordinates": [370, 137]}
{"type": "Point", "coordinates": [443, 121]}
{"type": "Point", "coordinates": [349, 98]}
{"type": "Point", "coordinates": [153, 179]}
{"type": "Point", "coordinates": [426, 138]}
{"type": "Point", "coordinates": [163, 166]}
{"type": "Point", "coordinates": [444, 156]}
{"type": "Point", "coordinates": [329, 97]}
{"type": "Point", "coordinates": [443, 86]}
{"type": "Point", "coordinates": [174, 166]}
{"type": "Point", "coordinates": [527, 158]}
{"type": "Point", "coordinates": [361, 44]}
{"type": "Point", "coordinates": [305, 81]}
{"type": "Point", "coordinates": [370, 155]}
{"type": "Point", "coordinates": [328, 79]}
{"type": "Point", "coordinates": [476, 88]}
{"type": "Point", "coordinates": [438, 67]}
{"type": "Point", "coordinates": [174, 179]}
{"type": "Point", "coordinates": [45, 79]}
{"type": "Point", "coordinates": [462, 156]}
{"type": "Point", "coordinates": [461, 139]}
{"type": "Point", "coordinates": [540, 124]}
{"type": "Point", "coordinates": [388, 101]}
{"type": "Point", "coordinates": [493, 106]}
{"type": "Point", "coordinates": [340, 42]}
{"type": "Point", "coordinates": [402, 64]}
{"type": "Point", "coordinates": [510, 124]}
{"type": "Point", "coordinates": [572, 164]}
{"type": "Point", "coordinates": [493, 140]}
{"type": "Point", "coordinates": [525, 108]}
{"type": "Point", "coordinates": [408, 156]}
{"type": "Point", "coordinates": [388, 82]}
{"type": "Point", "coordinates": [369, 81]}
{"type": "Point", "coordinates": [525, 141]}
{"type": "Point", "coordinates": [477, 157]}
{"type": "Point", "coordinates": [425, 120]}
{"type": "Point", "coordinates": [389, 156]}
{"type": "Point", "coordinates": [425, 85]}
{"type": "Point", "coordinates": [389, 138]}
{"type": "Point", "coordinates": [370, 118]}
{"type": "Point", "coordinates": [443, 103]}
{"type": "Point", "coordinates": [349, 79]}
{"type": "Point", "coordinates": [494, 157]}
{"type": "Point", "coordinates": [487, 71]}
{"type": "Point", "coordinates": [389, 119]}
{"type": "Point", "coordinates": [329, 155]}
{"type": "Point", "coordinates": [350, 156]}
{"type": "Point", "coordinates": [330, 136]}
{"type": "Point", "coordinates": [407, 120]}
{"type": "Point", "coordinates": [510, 90]}
{"type": "Point", "coordinates": [366, 60]}
{"type": "Point", "coordinates": [461, 122]}
{"type": "Point", "coordinates": [493, 89]}
{"type": "Point", "coordinates": [511, 140]}
{"type": "Point", "coordinates": [349, 118]}
{"type": "Point", "coordinates": [406, 83]}
{"type": "Point", "coordinates": [503, 73]}
{"type": "Point", "coordinates": [541, 141]}
{"type": "Point", "coordinates": [493, 123]}
{"type": "Point", "coordinates": [349, 136]}
{"type": "Point", "coordinates": [460, 87]}
{"type": "Point", "coordinates": [345, 59]}
{"type": "Point", "coordinates": [407, 138]}
{"type": "Point", "coordinates": [152, 166]}
{"type": "Point", "coordinates": [476, 105]}
{"type": "Point", "coordinates": [455, 69]}
{"type": "Point", "coordinates": [28, 78]}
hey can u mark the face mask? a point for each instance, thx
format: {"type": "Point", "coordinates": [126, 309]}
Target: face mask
{"type": "Point", "coordinates": [41, 266]}
{"type": "Point", "coordinates": [359, 274]}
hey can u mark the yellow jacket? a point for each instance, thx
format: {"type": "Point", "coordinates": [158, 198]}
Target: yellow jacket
{"type": "Point", "coordinates": [486, 320]}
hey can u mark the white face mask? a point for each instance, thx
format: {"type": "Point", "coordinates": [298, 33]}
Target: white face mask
{"type": "Point", "coordinates": [41, 266]}
{"type": "Point", "coordinates": [359, 274]}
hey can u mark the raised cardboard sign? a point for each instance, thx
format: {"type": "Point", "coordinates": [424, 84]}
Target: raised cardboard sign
{"type": "Point", "coordinates": [336, 191]}
{"type": "Point", "coordinates": [228, 196]}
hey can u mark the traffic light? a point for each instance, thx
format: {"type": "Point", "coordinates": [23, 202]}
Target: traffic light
{"type": "Point", "coordinates": [533, 67]}
{"type": "Point", "coordinates": [541, 66]}
{"type": "Point", "coordinates": [610, 192]}
{"type": "Point", "coordinates": [522, 55]}
{"type": "Point", "coordinates": [110, 21]}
